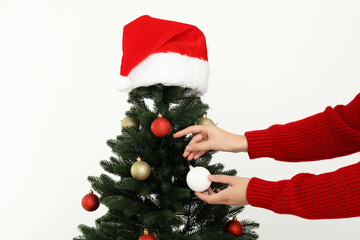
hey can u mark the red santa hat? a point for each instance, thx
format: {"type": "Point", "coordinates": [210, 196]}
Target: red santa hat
{"type": "Point", "coordinates": [162, 51]}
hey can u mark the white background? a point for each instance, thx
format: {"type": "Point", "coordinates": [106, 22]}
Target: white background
{"type": "Point", "coordinates": [271, 62]}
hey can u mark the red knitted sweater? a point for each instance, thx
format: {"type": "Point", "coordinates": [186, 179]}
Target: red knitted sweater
{"type": "Point", "coordinates": [329, 134]}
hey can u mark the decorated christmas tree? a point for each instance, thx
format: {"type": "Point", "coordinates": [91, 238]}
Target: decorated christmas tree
{"type": "Point", "coordinates": [147, 191]}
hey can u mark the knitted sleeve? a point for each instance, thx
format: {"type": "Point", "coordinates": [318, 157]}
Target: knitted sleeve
{"type": "Point", "coordinates": [332, 133]}
{"type": "Point", "coordinates": [325, 196]}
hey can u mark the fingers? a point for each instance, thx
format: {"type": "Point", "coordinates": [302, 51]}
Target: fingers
{"type": "Point", "coordinates": [198, 144]}
{"type": "Point", "coordinates": [196, 147]}
{"type": "Point", "coordinates": [210, 191]}
{"type": "Point", "coordinates": [188, 130]}
{"type": "Point", "coordinates": [195, 139]}
{"type": "Point", "coordinates": [201, 146]}
{"type": "Point", "coordinates": [234, 194]}
{"type": "Point", "coordinates": [196, 155]}
{"type": "Point", "coordinates": [222, 179]}
{"type": "Point", "coordinates": [199, 154]}
{"type": "Point", "coordinates": [215, 198]}
{"type": "Point", "coordinates": [191, 156]}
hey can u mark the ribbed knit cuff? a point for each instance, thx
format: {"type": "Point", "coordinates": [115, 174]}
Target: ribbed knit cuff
{"type": "Point", "coordinates": [350, 112]}
{"type": "Point", "coordinates": [260, 193]}
{"type": "Point", "coordinates": [260, 144]}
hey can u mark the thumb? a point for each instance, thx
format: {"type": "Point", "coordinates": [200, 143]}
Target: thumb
{"type": "Point", "coordinates": [202, 146]}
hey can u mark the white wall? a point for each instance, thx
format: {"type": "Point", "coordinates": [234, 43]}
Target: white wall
{"type": "Point", "coordinates": [272, 62]}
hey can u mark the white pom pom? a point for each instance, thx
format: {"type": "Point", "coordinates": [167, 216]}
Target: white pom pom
{"type": "Point", "coordinates": [197, 179]}
{"type": "Point", "coordinates": [122, 83]}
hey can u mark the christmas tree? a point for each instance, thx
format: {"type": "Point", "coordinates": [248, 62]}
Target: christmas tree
{"type": "Point", "coordinates": [146, 191]}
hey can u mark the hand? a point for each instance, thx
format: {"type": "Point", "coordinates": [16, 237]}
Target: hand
{"type": "Point", "coordinates": [211, 137]}
{"type": "Point", "coordinates": [234, 194]}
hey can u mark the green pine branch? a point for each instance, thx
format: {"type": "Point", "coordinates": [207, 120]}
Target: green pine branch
{"type": "Point", "coordinates": [162, 203]}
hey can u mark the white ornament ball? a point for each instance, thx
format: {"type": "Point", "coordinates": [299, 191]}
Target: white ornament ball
{"type": "Point", "coordinates": [197, 179]}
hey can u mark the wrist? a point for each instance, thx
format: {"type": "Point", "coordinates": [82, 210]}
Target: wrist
{"type": "Point", "coordinates": [241, 144]}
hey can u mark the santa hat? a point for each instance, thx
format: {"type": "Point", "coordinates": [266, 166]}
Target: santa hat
{"type": "Point", "coordinates": [162, 51]}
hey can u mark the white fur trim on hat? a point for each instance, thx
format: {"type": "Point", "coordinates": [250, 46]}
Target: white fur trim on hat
{"type": "Point", "coordinates": [170, 69]}
{"type": "Point", "coordinates": [122, 83]}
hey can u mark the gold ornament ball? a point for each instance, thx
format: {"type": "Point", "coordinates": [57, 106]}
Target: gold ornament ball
{"type": "Point", "coordinates": [205, 120]}
{"type": "Point", "coordinates": [129, 122]}
{"type": "Point", "coordinates": [140, 170]}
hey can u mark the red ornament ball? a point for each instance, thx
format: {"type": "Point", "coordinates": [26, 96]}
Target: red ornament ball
{"type": "Point", "coordinates": [234, 227]}
{"type": "Point", "coordinates": [147, 236]}
{"type": "Point", "coordinates": [90, 202]}
{"type": "Point", "coordinates": [160, 127]}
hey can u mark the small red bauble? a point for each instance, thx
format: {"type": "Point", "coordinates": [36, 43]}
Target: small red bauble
{"type": "Point", "coordinates": [160, 127]}
{"type": "Point", "coordinates": [90, 202]}
{"type": "Point", "coordinates": [234, 227]}
{"type": "Point", "coordinates": [147, 236]}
